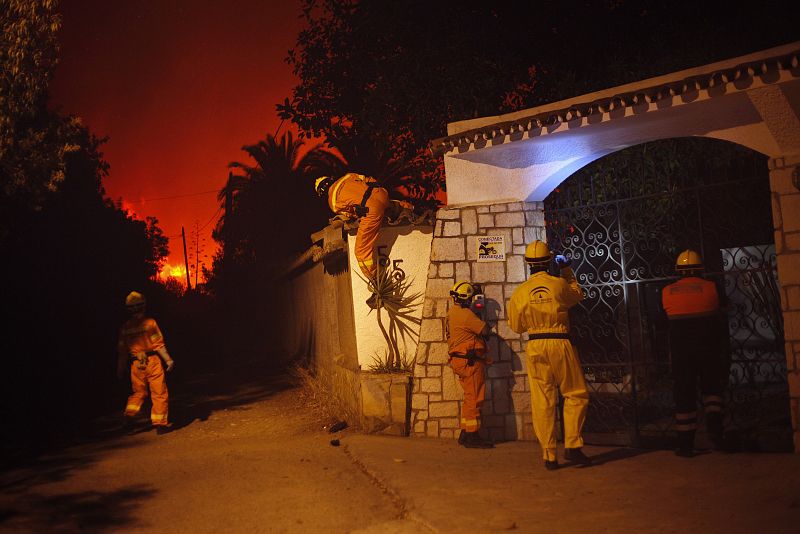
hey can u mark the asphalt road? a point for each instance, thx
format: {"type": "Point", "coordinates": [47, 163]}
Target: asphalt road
{"type": "Point", "coordinates": [243, 457]}
{"type": "Point", "coordinates": [248, 455]}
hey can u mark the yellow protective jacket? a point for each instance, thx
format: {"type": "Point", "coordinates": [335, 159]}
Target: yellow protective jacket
{"type": "Point", "coordinates": [540, 304]}
{"type": "Point", "coordinates": [344, 196]}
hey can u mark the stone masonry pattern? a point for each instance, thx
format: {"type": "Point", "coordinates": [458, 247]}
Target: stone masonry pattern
{"type": "Point", "coordinates": [437, 395]}
{"type": "Point", "coordinates": [786, 219]}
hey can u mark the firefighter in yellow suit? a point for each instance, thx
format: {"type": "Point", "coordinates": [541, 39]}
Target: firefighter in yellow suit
{"type": "Point", "coordinates": [692, 305]}
{"type": "Point", "coordinates": [467, 350]}
{"type": "Point", "coordinates": [539, 307]}
{"type": "Point", "coordinates": [356, 196]}
{"type": "Point", "coordinates": [141, 348]}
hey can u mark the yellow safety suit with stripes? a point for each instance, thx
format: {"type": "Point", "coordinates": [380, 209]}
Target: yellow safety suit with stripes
{"type": "Point", "coordinates": [539, 307]}
{"type": "Point", "coordinates": [139, 340]}
{"type": "Point", "coordinates": [345, 196]}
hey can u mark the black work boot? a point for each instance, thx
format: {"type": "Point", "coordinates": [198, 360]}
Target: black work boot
{"type": "Point", "coordinates": [163, 429]}
{"type": "Point", "coordinates": [473, 440]}
{"type": "Point", "coordinates": [551, 465]}
{"type": "Point", "coordinates": [576, 456]}
{"type": "Point", "coordinates": [462, 436]}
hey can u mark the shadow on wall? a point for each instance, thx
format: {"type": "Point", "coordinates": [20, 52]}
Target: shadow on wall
{"type": "Point", "coordinates": [500, 388]}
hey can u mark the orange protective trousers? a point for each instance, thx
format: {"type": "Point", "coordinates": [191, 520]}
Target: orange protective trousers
{"type": "Point", "coordinates": [473, 382]}
{"type": "Point", "coordinates": [151, 378]}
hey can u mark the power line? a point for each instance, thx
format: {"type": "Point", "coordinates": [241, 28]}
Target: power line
{"type": "Point", "coordinates": [202, 227]}
{"type": "Point", "coordinates": [211, 219]}
{"type": "Point", "coordinates": [173, 197]}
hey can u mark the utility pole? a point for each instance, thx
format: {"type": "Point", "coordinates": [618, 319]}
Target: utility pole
{"type": "Point", "coordinates": [186, 261]}
{"type": "Point", "coordinates": [196, 252]}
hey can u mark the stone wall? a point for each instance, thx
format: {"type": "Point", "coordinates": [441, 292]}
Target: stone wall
{"type": "Point", "coordinates": [436, 393]}
{"type": "Point", "coordinates": [786, 218]}
{"type": "Point", "coordinates": [317, 324]}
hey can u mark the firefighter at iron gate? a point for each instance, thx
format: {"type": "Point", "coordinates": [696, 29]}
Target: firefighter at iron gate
{"type": "Point", "coordinates": [467, 349]}
{"type": "Point", "coordinates": [692, 305]}
{"type": "Point", "coordinates": [539, 306]}
{"type": "Point", "coordinates": [141, 349]}
{"type": "Point", "coordinates": [355, 196]}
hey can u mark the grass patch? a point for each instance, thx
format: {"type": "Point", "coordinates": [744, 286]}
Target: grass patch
{"type": "Point", "coordinates": [318, 396]}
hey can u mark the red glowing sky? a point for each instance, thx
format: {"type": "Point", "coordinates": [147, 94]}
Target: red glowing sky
{"type": "Point", "coordinates": [178, 87]}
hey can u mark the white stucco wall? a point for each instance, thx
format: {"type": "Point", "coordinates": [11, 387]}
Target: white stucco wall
{"type": "Point", "coordinates": [408, 248]}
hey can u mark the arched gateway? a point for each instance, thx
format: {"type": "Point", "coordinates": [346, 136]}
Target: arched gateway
{"type": "Point", "coordinates": [501, 169]}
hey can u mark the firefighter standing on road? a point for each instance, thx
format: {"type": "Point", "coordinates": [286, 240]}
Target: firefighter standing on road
{"type": "Point", "coordinates": [356, 196]}
{"type": "Point", "coordinates": [141, 347]}
{"type": "Point", "coordinates": [467, 349]}
{"type": "Point", "coordinates": [693, 309]}
{"type": "Point", "coordinates": [539, 307]}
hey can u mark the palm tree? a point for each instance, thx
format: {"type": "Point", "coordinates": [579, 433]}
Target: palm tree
{"type": "Point", "coordinates": [274, 208]}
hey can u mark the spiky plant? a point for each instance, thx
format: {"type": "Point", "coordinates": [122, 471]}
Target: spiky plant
{"type": "Point", "coordinates": [391, 294]}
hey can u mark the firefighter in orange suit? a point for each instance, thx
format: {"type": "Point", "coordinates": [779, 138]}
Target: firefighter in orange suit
{"type": "Point", "coordinates": [356, 196]}
{"type": "Point", "coordinates": [141, 348]}
{"type": "Point", "coordinates": [539, 307]}
{"type": "Point", "coordinates": [467, 349]}
{"type": "Point", "coordinates": [692, 306]}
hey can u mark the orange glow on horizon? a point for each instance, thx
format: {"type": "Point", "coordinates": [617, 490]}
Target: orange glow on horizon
{"type": "Point", "coordinates": [178, 88]}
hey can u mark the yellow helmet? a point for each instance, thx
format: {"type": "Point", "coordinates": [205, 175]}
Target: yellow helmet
{"type": "Point", "coordinates": [462, 291]}
{"type": "Point", "coordinates": [135, 301]}
{"type": "Point", "coordinates": [688, 260]}
{"type": "Point", "coordinates": [538, 252]}
{"type": "Point", "coordinates": [322, 184]}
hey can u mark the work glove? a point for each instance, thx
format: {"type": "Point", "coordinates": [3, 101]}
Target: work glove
{"type": "Point", "coordinates": [169, 362]}
{"type": "Point", "coordinates": [562, 261]}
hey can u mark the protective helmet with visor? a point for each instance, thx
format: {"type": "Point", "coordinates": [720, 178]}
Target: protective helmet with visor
{"type": "Point", "coordinates": [322, 185]}
{"type": "Point", "coordinates": [462, 292]}
{"type": "Point", "coordinates": [135, 302]}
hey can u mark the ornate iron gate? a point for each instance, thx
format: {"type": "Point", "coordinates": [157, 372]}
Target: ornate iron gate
{"type": "Point", "coordinates": [623, 234]}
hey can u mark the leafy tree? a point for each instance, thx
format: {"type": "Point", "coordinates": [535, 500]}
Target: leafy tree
{"type": "Point", "coordinates": [33, 142]}
{"type": "Point", "coordinates": [388, 76]}
{"type": "Point", "coordinates": [70, 254]}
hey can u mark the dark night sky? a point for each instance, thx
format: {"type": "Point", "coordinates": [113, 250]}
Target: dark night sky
{"type": "Point", "coordinates": [178, 87]}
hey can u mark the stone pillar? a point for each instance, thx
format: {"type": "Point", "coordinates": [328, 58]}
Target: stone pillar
{"type": "Point", "coordinates": [436, 392]}
{"type": "Point", "coordinates": [785, 185]}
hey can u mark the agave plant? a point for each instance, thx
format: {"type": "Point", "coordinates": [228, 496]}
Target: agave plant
{"type": "Point", "coordinates": [390, 294]}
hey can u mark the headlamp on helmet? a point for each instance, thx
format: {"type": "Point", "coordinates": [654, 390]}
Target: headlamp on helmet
{"type": "Point", "coordinates": [322, 185]}
{"type": "Point", "coordinates": [688, 261]}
